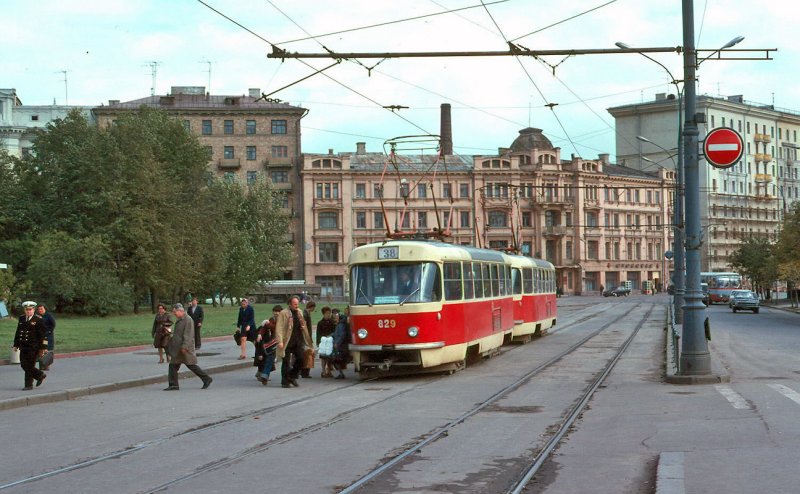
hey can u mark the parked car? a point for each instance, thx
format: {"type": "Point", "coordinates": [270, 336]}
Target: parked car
{"type": "Point", "coordinates": [743, 300]}
{"type": "Point", "coordinates": [706, 296]}
{"type": "Point", "coordinates": [618, 291]}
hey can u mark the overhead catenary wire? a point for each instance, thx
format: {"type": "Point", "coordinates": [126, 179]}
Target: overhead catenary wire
{"type": "Point", "coordinates": [387, 23]}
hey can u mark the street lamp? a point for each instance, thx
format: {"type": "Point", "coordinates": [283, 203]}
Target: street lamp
{"type": "Point", "coordinates": [677, 240]}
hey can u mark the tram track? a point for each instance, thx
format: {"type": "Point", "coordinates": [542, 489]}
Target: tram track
{"type": "Point", "coordinates": [577, 318]}
{"type": "Point", "coordinates": [444, 431]}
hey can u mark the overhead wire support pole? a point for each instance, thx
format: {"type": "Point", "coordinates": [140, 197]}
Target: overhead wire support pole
{"type": "Point", "coordinates": [514, 52]}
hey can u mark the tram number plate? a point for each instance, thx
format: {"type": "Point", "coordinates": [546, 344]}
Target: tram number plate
{"type": "Point", "coordinates": [388, 252]}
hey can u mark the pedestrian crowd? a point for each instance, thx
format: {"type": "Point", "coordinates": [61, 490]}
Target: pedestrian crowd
{"type": "Point", "coordinates": [286, 337]}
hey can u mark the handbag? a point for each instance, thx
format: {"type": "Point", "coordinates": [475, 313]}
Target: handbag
{"type": "Point", "coordinates": [326, 346]}
{"type": "Point", "coordinates": [308, 358]}
{"type": "Point", "coordinates": [237, 337]}
{"type": "Point", "coordinates": [46, 359]}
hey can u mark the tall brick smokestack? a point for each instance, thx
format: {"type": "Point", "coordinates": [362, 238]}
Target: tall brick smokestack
{"type": "Point", "coordinates": [446, 131]}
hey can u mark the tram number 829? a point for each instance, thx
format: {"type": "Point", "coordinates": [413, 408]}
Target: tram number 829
{"type": "Point", "coordinates": [386, 323]}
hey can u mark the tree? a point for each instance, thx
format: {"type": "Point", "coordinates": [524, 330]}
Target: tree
{"type": "Point", "coordinates": [754, 259]}
{"type": "Point", "coordinates": [139, 197]}
{"type": "Point", "coordinates": [787, 251]}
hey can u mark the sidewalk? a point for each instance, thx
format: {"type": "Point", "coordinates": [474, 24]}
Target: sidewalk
{"type": "Point", "coordinates": [99, 371]}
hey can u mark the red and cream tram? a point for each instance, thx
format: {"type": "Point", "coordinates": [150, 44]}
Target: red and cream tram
{"type": "Point", "coordinates": [419, 306]}
{"type": "Point", "coordinates": [534, 293]}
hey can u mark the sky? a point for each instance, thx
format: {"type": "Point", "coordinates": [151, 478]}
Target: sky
{"type": "Point", "coordinates": [86, 52]}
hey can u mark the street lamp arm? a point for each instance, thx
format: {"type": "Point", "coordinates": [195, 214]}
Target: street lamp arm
{"type": "Point", "coordinates": [624, 46]}
{"type": "Point", "coordinates": [733, 42]}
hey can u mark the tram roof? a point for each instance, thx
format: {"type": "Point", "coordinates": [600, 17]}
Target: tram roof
{"type": "Point", "coordinates": [458, 252]}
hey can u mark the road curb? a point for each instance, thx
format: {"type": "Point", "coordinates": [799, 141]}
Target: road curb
{"type": "Point", "coordinates": [109, 351]}
{"type": "Point", "coordinates": [74, 393]}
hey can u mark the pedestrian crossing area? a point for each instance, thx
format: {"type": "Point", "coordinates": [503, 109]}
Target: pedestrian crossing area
{"type": "Point", "coordinates": [739, 402]}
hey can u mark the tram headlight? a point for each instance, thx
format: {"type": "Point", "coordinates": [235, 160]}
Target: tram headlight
{"type": "Point", "coordinates": [413, 331]}
{"type": "Point", "coordinates": [362, 333]}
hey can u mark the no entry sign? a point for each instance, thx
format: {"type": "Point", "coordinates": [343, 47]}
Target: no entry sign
{"type": "Point", "coordinates": [723, 147]}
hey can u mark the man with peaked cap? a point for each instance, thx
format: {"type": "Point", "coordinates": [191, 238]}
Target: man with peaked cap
{"type": "Point", "coordinates": [31, 341]}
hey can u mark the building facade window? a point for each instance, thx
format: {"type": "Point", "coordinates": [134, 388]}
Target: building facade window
{"type": "Point", "coordinates": [187, 125]}
{"type": "Point", "coordinates": [422, 191]}
{"type": "Point", "coordinates": [228, 152]}
{"type": "Point", "coordinates": [251, 153]}
{"type": "Point", "coordinates": [251, 177]}
{"type": "Point", "coordinates": [279, 126]}
{"type": "Point", "coordinates": [361, 219]}
{"type": "Point", "coordinates": [229, 177]}
{"type": "Point", "coordinates": [498, 219]}
{"type": "Point", "coordinates": [327, 190]}
{"type": "Point", "coordinates": [447, 190]}
{"type": "Point", "coordinates": [377, 191]}
{"type": "Point", "coordinates": [280, 151]}
{"type": "Point", "coordinates": [526, 219]}
{"type": "Point", "coordinates": [251, 127]}
{"type": "Point", "coordinates": [463, 191]}
{"type": "Point", "coordinates": [330, 286]}
{"type": "Point", "coordinates": [279, 176]}
{"type": "Point", "coordinates": [206, 127]}
{"type": "Point", "coordinates": [361, 191]}
{"type": "Point", "coordinates": [228, 127]}
{"type": "Point", "coordinates": [422, 219]}
{"type": "Point", "coordinates": [465, 223]}
{"type": "Point", "coordinates": [328, 252]}
{"type": "Point", "coordinates": [328, 220]}
{"type": "Point", "coordinates": [377, 220]}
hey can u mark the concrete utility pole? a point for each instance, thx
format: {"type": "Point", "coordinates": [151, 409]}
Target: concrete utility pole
{"type": "Point", "coordinates": [695, 358]}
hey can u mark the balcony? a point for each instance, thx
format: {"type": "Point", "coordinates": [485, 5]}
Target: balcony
{"type": "Point", "coordinates": [554, 230]}
{"type": "Point", "coordinates": [763, 178]}
{"type": "Point", "coordinates": [591, 204]}
{"type": "Point", "coordinates": [229, 164]}
{"type": "Point", "coordinates": [335, 203]}
{"type": "Point", "coordinates": [762, 138]}
{"type": "Point", "coordinates": [763, 157]}
{"type": "Point", "coordinates": [551, 199]}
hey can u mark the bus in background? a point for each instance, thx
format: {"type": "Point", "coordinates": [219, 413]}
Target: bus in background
{"type": "Point", "coordinates": [720, 285]}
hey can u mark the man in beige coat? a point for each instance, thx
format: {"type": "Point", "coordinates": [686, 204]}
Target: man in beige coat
{"type": "Point", "coordinates": [293, 338]}
{"type": "Point", "coordinates": [181, 349]}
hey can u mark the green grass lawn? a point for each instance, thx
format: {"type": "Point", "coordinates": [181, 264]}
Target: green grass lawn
{"type": "Point", "coordinates": [74, 333]}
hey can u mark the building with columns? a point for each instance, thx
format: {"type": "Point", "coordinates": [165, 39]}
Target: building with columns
{"type": "Point", "coordinates": [748, 199]}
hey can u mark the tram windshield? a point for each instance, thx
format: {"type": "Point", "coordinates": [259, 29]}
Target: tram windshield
{"type": "Point", "coordinates": [395, 283]}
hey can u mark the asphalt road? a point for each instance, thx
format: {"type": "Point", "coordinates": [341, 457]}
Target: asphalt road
{"type": "Point", "coordinates": [239, 435]}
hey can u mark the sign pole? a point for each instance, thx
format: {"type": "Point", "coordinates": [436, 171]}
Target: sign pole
{"type": "Point", "coordinates": [695, 359]}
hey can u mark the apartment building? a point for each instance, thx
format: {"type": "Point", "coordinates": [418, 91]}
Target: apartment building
{"type": "Point", "coordinates": [748, 199]}
{"type": "Point", "coordinates": [599, 223]}
{"type": "Point", "coordinates": [18, 122]}
{"type": "Point", "coordinates": [247, 137]}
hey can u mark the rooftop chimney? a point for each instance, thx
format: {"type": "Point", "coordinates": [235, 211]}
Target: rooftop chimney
{"type": "Point", "coordinates": [254, 92]}
{"type": "Point", "coordinates": [361, 148]}
{"type": "Point", "coordinates": [446, 130]}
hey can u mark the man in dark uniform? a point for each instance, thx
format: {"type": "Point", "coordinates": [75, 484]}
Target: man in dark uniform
{"type": "Point", "coordinates": [31, 341]}
{"type": "Point", "coordinates": [196, 313]}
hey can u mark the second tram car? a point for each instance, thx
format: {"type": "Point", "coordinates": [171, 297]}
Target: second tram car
{"type": "Point", "coordinates": [419, 306]}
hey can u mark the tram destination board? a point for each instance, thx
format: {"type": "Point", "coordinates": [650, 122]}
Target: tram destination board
{"type": "Point", "coordinates": [389, 252]}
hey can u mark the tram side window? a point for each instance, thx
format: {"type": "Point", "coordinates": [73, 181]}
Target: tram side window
{"type": "Point", "coordinates": [498, 280]}
{"type": "Point", "coordinates": [452, 281]}
{"type": "Point", "coordinates": [469, 289]}
{"type": "Point", "coordinates": [527, 280]}
{"type": "Point", "coordinates": [487, 280]}
{"type": "Point", "coordinates": [516, 281]}
{"type": "Point", "coordinates": [477, 274]}
{"type": "Point", "coordinates": [552, 281]}
{"type": "Point", "coordinates": [508, 280]}
{"type": "Point", "coordinates": [537, 274]}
